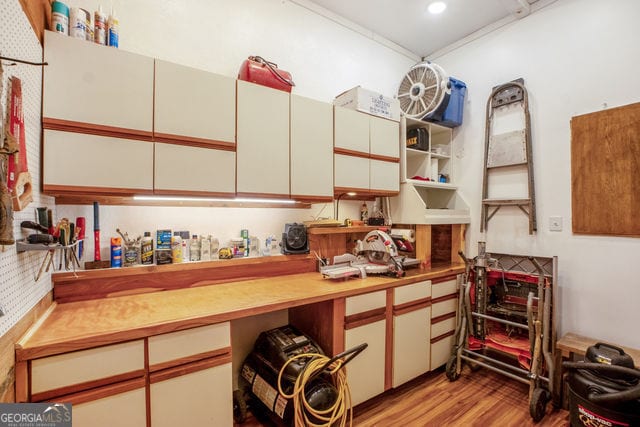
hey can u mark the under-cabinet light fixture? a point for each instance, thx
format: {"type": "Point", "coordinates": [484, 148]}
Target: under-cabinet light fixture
{"type": "Point", "coordinates": [209, 199]}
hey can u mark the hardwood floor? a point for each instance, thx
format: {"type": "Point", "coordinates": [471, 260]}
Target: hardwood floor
{"type": "Point", "coordinates": [481, 398]}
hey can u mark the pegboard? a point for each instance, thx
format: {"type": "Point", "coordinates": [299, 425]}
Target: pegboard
{"type": "Point", "coordinates": [19, 291]}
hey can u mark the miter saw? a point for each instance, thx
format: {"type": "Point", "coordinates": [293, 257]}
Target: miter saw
{"type": "Point", "coordinates": [376, 254]}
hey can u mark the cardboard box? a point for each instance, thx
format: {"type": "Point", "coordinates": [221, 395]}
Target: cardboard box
{"type": "Point", "coordinates": [369, 102]}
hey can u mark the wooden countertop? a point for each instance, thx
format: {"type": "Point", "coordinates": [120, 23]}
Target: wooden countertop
{"type": "Point", "coordinates": [84, 324]}
{"type": "Point", "coordinates": [574, 343]}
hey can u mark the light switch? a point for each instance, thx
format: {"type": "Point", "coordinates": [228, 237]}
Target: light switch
{"type": "Point", "coordinates": [555, 223]}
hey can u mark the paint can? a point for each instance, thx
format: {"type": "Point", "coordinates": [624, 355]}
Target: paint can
{"type": "Point", "coordinates": [60, 17]}
{"type": "Point", "coordinates": [78, 23]}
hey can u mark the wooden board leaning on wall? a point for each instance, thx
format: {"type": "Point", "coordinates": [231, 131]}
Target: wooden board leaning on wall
{"type": "Point", "coordinates": [605, 160]}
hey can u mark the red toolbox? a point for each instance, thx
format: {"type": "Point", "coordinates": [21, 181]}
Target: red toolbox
{"type": "Point", "coordinates": [256, 69]}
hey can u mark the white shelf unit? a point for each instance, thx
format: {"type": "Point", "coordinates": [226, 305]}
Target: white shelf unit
{"type": "Point", "coordinates": [432, 201]}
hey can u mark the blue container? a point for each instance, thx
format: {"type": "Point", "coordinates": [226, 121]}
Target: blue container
{"type": "Point", "coordinates": [452, 116]}
{"type": "Point", "coordinates": [449, 113]}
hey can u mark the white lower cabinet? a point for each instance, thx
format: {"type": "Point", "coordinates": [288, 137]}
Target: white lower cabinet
{"type": "Point", "coordinates": [411, 345]}
{"type": "Point", "coordinates": [125, 409]}
{"type": "Point", "coordinates": [198, 398]}
{"type": "Point", "coordinates": [444, 317]}
{"type": "Point", "coordinates": [365, 373]}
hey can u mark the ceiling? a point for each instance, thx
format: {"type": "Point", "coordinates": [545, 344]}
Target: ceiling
{"type": "Point", "coordinates": [409, 24]}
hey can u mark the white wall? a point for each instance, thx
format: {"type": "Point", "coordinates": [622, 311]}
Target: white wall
{"type": "Point", "coordinates": [576, 57]}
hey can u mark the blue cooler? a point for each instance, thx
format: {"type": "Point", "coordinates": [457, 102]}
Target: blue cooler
{"type": "Point", "coordinates": [449, 113]}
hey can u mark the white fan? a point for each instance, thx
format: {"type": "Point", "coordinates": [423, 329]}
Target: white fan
{"type": "Point", "coordinates": [422, 90]}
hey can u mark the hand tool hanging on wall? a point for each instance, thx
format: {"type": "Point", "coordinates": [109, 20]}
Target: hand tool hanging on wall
{"type": "Point", "coordinates": [7, 146]}
{"type": "Point", "coordinates": [18, 179]}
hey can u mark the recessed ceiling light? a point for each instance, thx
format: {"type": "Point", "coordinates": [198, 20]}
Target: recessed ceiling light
{"type": "Point", "coordinates": [437, 7]}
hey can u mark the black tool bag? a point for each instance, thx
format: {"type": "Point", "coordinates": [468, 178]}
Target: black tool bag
{"type": "Point", "coordinates": [418, 139]}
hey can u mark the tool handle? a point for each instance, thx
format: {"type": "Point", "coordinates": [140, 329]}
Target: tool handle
{"type": "Point", "coordinates": [96, 245]}
{"type": "Point", "coordinates": [20, 201]}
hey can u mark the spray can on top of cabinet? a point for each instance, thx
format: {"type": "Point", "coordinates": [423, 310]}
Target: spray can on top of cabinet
{"type": "Point", "coordinates": [147, 249]}
{"type": "Point", "coordinates": [113, 29]}
{"type": "Point", "coordinates": [116, 252]}
{"type": "Point", "coordinates": [176, 248]}
{"type": "Point", "coordinates": [100, 27]}
{"type": "Point", "coordinates": [60, 17]}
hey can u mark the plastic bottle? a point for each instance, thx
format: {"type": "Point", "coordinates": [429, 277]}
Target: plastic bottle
{"type": "Point", "coordinates": [147, 249]}
{"type": "Point", "coordinates": [194, 249]}
{"type": "Point", "coordinates": [113, 29]}
{"type": "Point", "coordinates": [116, 252]}
{"type": "Point", "coordinates": [100, 27]}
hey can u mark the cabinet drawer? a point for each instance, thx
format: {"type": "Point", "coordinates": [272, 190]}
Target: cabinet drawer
{"type": "Point", "coordinates": [444, 307]}
{"type": "Point", "coordinates": [366, 302]}
{"type": "Point", "coordinates": [126, 409]}
{"type": "Point", "coordinates": [442, 327]}
{"type": "Point", "coordinates": [190, 342]}
{"type": "Point", "coordinates": [366, 372]}
{"type": "Point", "coordinates": [441, 351]}
{"type": "Point", "coordinates": [443, 288]}
{"type": "Point", "coordinates": [50, 373]}
{"type": "Point", "coordinates": [413, 292]}
{"type": "Point", "coordinates": [411, 341]}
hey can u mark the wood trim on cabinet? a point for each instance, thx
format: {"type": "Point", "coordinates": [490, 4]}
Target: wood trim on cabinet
{"type": "Point", "coordinates": [22, 381]}
{"type": "Point", "coordinates": [443, 317]}
{"type": "Point", "coordinates": [443, 279]}
{"type": "Point", "coordinates": [444, 298]}
{"type": "Point", "coordinates": [190, 193]}
{"type": "Point", "coordinates": [147, 384]}
{"type": "Point", "coordinates": [339, 314]}
{"type": "Point", "coordinates": [192, 141]}
{"type": "Point", "coordinates": [388, 342]}
{"type": "Point", "coordinates": [365, 318]}
{"type": "Point", "coordinates": [102, 392]}
{"type": "Point", "coordinates": [189, 368]}
{"type": "Point", "coordinates": [87, 385]}
{"type": "Point", "coordinates": [264, 195]}
{"type": "Point", "coordinates": [95, 129]}
{"type": "Point", "coordinates": [190, 359]}
{"type": "Point", "coordinates": [389, 159]}
{"type": "Point", "coordinates": [317, 320]}
{"type": "Point", "coordinates": [410, 306]}
{"type": "Point", "coordinates": [70, 190]}
{"type": "Point", "coordinates": [353, 153]}
{"type": "Point", "coordinates": [443, 336]}
{"type": "Point", "coordinates": [311, 199]}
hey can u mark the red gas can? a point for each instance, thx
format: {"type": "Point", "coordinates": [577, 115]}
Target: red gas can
{"type": "Point", "coordinates": [256, 69]}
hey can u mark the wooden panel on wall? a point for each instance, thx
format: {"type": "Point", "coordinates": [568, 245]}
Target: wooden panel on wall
{"type": "Point", "coordinates": [39, 14]}
{"type": "Point", "coordinates": [605, 160]}
{"type": "Point", "coordinates": [441, 243]}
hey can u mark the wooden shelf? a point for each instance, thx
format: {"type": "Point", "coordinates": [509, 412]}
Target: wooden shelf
{"type": "Point", "coordinates": [343, 230]}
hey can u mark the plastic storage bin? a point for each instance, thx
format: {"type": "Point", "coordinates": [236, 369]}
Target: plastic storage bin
{"type": "Point", "coordinates": [452, 114]}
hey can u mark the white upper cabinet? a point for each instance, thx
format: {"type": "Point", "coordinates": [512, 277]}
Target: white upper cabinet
{"type": "Point", "coordinates": [193, 105]}
{"type": "Point", "coordinates": [311, 148]}
{"type": "Point", "coordinates": [351, 130]}
{"type": "Point", "coordinates": [262, 141]}
{"type": "Point", "coordinates": [97, 86]}
{"type": "Point", "coordinates": [384, 137]}
{"type": "Point", "coordinates": [180, 169]}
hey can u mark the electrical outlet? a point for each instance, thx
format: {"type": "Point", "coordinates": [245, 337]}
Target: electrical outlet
{"type": "Point", "coordinates": [555, 223]}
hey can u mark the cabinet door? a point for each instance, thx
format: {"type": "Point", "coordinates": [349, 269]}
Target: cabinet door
{"type": "Point", "coordinates": [179, 168]}
{"type": "Point", "coordinates": [384, 176]}
{"type": "Point", "coordinates": [263, 140]}
{"type": "Point", "coordinates": [98, 85]}
{"type": "Point", "coordinates": [198, 398]}
{"type": "Point", "coordinates": [126, 409]}
{"type": "Point", "coordinates": [411, 342]}
{"type": "Point", "coordinates": [384, 137]}
{"type": "Point", "coordinates": [351, 130]}
{"type": "Point", "coordinates": [103, 163]}
{"type": "Point", "coordinates": [192, 104]}
{"type": "Point", "coordinates": [311, 148]}
{"type": "Point", "coordinates": [365, 373]}
{"type": "Point", "coordinates": [351, 172]}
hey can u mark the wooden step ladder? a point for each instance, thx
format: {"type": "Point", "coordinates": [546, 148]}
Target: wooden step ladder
{"type": "Point", "coordinates": [508, 149]}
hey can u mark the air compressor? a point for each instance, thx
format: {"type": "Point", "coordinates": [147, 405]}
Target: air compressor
{"type": "Point", "coordinates": [282, 360]}
{"type": "Point", "coordinates": [604, 389]}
